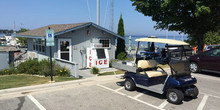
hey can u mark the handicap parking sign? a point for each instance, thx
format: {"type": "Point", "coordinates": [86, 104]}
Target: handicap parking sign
{"type": "Point", "coordinates": [49, 37]}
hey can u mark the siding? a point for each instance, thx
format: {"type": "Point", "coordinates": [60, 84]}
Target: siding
{"type": "Point", "coordinates": [4, 56]}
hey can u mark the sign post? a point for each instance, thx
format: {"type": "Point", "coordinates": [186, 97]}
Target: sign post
{"type": "Point", "coordinates": [50, 42]}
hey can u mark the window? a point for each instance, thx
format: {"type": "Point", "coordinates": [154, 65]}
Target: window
{"type": "Point", "coordinates": [215, 52]}
{"type": "Point", "coordinates": [105, 43]}
{"type": "Point", "coordinates": [100, 53]}
{"type": "Point", "coordinates": [39, 45]}
{"type": "Point", "coordinates": [65, 50]}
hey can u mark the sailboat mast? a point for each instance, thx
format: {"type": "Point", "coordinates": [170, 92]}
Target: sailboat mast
{"type": "Point", "coordinates": [98, 12]}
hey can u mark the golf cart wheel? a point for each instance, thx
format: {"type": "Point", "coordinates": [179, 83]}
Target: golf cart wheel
{"type": "Point", "coordinates": [194, 67]}
{"type": "Point", "coordinates": [195, 92]}
{"type": "Point", "coordinates": [129, 84]}
{"type": "Point", "coordinates": [175, 96]}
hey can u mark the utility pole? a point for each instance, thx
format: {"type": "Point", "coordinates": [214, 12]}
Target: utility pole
{"type": "Point", "coordinates": [98, 12]}
{"type": "Point", "coordinates": [111, 26]}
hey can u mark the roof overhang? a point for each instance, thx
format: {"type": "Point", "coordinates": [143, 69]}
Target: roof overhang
{"type": "Point", "coordinates": [35, 37]}
{"type": "Point", "coordinates": [75, 28]}
{"type": "Point", "coordinates": [160, 40]}
{"type": "Point", "coordinates": [106, 30]}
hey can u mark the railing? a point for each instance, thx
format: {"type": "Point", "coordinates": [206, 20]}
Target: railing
{"type": "Point", "coordinates": [72, 66]}
{"type": "Point", "coordinates": [20, 58]}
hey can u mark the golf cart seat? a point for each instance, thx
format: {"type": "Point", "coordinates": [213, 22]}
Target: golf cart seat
{"type": "Point", "coordinates": [180, 68]}
{"type": "Point", "coordinates": [149, 68]}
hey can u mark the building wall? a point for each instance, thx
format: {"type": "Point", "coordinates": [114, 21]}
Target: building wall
{"type": "Point", "coordinates": [4, 56]}
{"type": "Point", "coordinates": [40, 55]}
{"type": "Point", "coordinates": [80, 42]}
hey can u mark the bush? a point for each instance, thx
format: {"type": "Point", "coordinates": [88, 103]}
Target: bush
{"type": "Point", "coordinates": [110, 62]}
{"type": "Point", "coordinates": [31, 66]}
{"type": "Point", "coordinates": [44, 67]}
{"type": "Point", "coordinates": [122, 56]}
{"type": "Point", "coordinates": [35, 67]}
{"type": "Point", "coordinates": [62, 71]}
{"type": "Point", "coordinates": [8, 71]}
{"type": "Point", "coordinates": [4, 72]}
{"type": "Point", "coordinates": [95, 70]}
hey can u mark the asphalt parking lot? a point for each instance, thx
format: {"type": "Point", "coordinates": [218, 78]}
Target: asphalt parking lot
{"type": "Point", "coordinates": [112, 96]}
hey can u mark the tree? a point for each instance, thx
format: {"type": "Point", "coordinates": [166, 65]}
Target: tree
{"type": "Point", "coordinates": [210, 38]}
{"type": "Point", "coordinates": [6, 31]}
{"type": "Point", "coordinates": [193, 17]}
{"type": "Point", "coordinates": [120, 42]}
{"type": "Point", "coordinates": [22, 40]}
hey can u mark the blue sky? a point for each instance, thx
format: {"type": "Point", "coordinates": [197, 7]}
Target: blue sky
{"type": "Point", "coordinates": [33, 14]}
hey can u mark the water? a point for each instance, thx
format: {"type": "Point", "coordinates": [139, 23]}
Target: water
{"type": "Point", "coordinates": [144, 44]}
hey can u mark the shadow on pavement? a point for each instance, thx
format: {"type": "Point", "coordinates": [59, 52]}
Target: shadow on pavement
{"type": "Point", "coordinates": [210, 74]}
{"type": "Point", "coordinates": [146, 92]}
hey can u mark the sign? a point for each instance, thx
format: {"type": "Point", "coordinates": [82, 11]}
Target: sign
{"type": "Point", "coordinates": [49, 37]}
{"type": "Point", "coordinates": [93, 61]}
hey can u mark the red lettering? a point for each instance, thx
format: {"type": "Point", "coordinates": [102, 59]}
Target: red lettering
{"type": "Point", "coordinates": [90, 64]}
{"type": "Point", "coordinates": [105, 61]}
{"type": "Point", "coordinates": [100, 62]}
{"type": "Point", "coordinates": [96, 62]}
{"type": "Point", "coordinates": [90, 58]}
{"type": "Point", "coordinates": [90, 52]}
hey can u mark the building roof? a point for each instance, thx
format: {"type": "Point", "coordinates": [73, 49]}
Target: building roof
{"type": "Point", "coordinates": [60, 29]}
{"type": "Point", "coordinates": [8, 48]}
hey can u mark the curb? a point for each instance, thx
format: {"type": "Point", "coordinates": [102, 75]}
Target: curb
{"type": "Point", "coordinates": [19, 89]}
{"type": "Point", "coordinates": [49, 85]}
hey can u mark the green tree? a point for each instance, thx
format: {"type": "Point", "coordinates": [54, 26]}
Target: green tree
{"type": "Point", "coordinates": [120, 42]}
{"type": "Point", "coordinates": [193, 17]}
{"type": "Point", "coordinates": [210, 38]}
{"type": "Point", "coordinates": [22, 40]}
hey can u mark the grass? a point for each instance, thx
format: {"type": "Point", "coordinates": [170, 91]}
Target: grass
{"type": "Point", "coordinates": [112, 73]}
{"type": "Point", "coordinates": [12, 81]}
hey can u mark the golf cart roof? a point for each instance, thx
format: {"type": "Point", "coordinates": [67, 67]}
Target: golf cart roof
{"type": "Point", "coordinates": [160, 40]}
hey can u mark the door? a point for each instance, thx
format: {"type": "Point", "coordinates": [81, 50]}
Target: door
{"type": "Point", "coordinates": [211, 60]}
{"type": "Point", "coordinates": [64, 49]}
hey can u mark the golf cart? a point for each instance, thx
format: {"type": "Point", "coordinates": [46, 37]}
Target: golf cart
{"type": "Point", "coordinates": [147, 75]}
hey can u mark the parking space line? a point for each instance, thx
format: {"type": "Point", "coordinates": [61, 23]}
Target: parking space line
{"type": "Point", "coordinates": [163, 104]}
{"type": "Point", "coordinates": [146, 103]}
{"type": "Point", "coordinates": [203, 102]}
{"type": "Point", "coordinates": [210, 95]}
{"type": "Point", "coordinates": [36, 102]}
{"type": "Point", "coordinates": [129, 97]}
{"type": "Point", "coordinates": [119, 89]}
{"type": "Point", "coordinates": [140, 94]}
{"type": "Point", "coordinates": [110, 89]}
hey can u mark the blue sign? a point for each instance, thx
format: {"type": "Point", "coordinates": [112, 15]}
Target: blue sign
{"type": "Point", "coordinates": [49, 37]}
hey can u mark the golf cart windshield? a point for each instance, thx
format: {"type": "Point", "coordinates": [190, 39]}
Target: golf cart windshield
{"type": "Point", "coordinates": [180, 68]}
{"type": "Point", "coordinates": [177, 50]}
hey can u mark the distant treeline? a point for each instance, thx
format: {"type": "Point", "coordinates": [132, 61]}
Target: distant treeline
{"type": "Point", "coordinates": [6, 31]}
